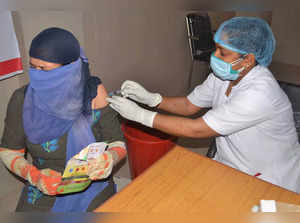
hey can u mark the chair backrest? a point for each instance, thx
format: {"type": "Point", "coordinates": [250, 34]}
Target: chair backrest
{"type": "Point", "coordinates": [200, 35]}
{"type": "Point", "coordinates": [293, 93]}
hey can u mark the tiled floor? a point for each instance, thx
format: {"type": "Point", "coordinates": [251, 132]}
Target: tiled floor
{"type": "Point", "coordinates": [10, 187]}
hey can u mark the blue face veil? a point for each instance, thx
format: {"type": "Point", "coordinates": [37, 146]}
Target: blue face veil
{"type": "Point", "coordinates": [59, 101]}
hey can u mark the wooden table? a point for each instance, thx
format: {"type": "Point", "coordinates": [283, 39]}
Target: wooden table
{"type": "Point", "coordinates": [185, 182]}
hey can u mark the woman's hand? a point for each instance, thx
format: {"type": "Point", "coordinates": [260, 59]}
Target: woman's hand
{"type": "Point", "coordinates": [48, 181]}
{"type": "Point", "coordinates": [101, 167]}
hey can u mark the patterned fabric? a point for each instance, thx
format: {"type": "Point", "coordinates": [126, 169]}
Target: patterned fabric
{"type": "Point", "coordinates": [79, 136]}
{"type": "Point", "coordinates": [46, 180]}
{"type": "Point", "coordinates": [96, 116]}
{"type": "Point", "coordinates": [50, 146]}
{"type": "Point", "coordinates": [106, 129]}
{"type": "Point", "coordinates": [33, 194]}
{"type": "Point", "coordinates": [101, 167]}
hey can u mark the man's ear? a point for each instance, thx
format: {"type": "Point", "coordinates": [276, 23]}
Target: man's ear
{"type": "Point", "coordinates": [249, 60]}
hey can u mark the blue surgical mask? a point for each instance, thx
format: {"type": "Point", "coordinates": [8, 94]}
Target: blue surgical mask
{"type": "Point", "coordinates": [223, 69]}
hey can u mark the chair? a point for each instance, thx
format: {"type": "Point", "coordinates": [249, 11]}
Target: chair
{"type": "Point", "coordinates": [293, 92]}
{"type": "Point", "coordinates": [200, 38]}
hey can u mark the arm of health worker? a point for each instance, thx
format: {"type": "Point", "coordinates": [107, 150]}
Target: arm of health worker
{"type": "Point", "coordinates": [178, 105]}
{"type": "Point", "coordinates": [175, 105]}
{"type": "Point", "coordinates": [179, 126]}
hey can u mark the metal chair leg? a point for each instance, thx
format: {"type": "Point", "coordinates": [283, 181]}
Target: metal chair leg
{"type": "Point", "coordinates": [212, 149]}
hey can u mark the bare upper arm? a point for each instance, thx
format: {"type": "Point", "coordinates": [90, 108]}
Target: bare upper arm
{"type": "Point", "coordinates": [203, 129]}
{"type": "Point", "coordinates": [191, 108]}
{"type": "Point", "coordinates": [100, 100]}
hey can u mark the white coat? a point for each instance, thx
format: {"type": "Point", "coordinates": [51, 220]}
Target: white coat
{"type": "Point", "coordinates": [256, 125]}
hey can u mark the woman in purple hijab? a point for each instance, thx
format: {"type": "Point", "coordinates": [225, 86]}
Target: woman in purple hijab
{"type": "Point", "coordinates": [60, 112]}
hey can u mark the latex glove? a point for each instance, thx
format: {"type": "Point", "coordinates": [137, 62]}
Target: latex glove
{"type": "Point", "coordinates": [130, 110]}
{"type": "Point", "coordinates": [45, 180]}
{"type": "Point", "coordinates": [100, 167]}
{"type": "Point", "coordinates": [138, 93]}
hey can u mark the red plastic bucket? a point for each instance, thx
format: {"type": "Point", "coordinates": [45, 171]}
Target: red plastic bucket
{"type": "Point", "coordinates": [145, 146]}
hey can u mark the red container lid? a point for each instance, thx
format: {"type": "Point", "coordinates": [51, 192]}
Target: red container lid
{"type": "Point", "coordinates": [140, 133]}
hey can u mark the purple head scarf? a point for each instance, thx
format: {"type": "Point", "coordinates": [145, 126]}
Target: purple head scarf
{"type": "Point", "coordinates": [55, 103]}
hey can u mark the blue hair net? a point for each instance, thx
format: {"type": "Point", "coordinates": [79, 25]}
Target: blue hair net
{"type": "Point", "coordinates": [247, 35]}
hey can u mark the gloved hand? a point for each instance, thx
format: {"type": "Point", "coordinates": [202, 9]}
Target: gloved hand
{"type": "Point", "coordinates": [118, 150]}
{"type": "Point", "coordinates": [130, 110]}
{"type": "Point", "coordinates": [45, 180]}
{"type": "Point", "coordinates": [138, 93]}
{"type": "Point", "coordinates": [48, 181]}
{"type": "Point", "coordinates": [100, 167]}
